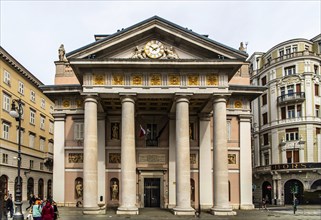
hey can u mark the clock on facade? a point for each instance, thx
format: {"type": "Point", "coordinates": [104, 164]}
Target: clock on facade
{"type": "Point", "coordinates": [154, 49]}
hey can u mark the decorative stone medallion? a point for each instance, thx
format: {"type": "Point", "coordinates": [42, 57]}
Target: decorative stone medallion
{"type": "Point", "coordinates": [238, 104]}
{"type": "Point", "coordinates": [99, 79]}
{"type": "Point", "coordinates": [137, 79]}
{"type": "Point", "coordinates": [193, 80]}
{"type": "Point", "coordinates": [66, 103]}
{"type": "Point", "coordinates": [212, 80]}
{"type": "Point", "coordinates": [155, 80]}
{"type": "Point", "coordinates": [174, 80]}
{"type": "Point", "coordinates": [118, 79]}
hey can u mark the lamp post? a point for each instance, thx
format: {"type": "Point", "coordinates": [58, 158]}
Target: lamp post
{"type": "Point", "coordinates": [16, 112]}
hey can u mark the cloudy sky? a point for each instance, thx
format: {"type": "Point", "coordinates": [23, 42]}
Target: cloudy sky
{"type": "Point", "coordinates": [32, 31]}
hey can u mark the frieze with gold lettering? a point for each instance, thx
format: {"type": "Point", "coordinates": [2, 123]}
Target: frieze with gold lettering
{"type": "Point", "coordinates": [295, 166]}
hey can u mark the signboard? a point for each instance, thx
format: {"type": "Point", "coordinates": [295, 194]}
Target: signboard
{"type": "Point", "coordinates": [295, 166]}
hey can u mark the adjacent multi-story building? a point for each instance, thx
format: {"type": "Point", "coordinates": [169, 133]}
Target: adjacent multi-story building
{"type": "Point", "coordinates": [287, 122]}
{"type": "Point", "coordinates": [17, 83]}
{"type": "Point", "coordinates": [154, 115]}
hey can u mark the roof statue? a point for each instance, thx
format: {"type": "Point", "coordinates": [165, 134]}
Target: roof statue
{"type": "Point", "coordinates": [242, 48]}
{"type": "Point", "coordinates": [61, 53]}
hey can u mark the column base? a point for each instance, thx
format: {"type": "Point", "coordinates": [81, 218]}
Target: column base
{"type": "Point", "coordinates": [94, 211]}
{"type": "Point", "coordinates": [222, 211]}
{"type": "Point", "coordinates": [183, 211]}
{"type": "Point", "coordinates": [246, 206]}
{"type": "Point", "coordinates": [127, 211]}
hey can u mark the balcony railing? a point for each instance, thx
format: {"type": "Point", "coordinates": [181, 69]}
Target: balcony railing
{"type": "Point", "coordinates": [291, 97]}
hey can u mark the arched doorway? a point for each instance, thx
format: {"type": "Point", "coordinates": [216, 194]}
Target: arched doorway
{"type": "Point", "coordinates": [30, 187]}
{"type": "Point", "coordinates": [293, 188]}
{"type": "Point", "coordinates": [4, 185]}
{"type": "Point", "coordinates": [267, 192]}
{"type": "Point", "coordinates": [313, 196]}
{"type": "Point", "coordinates": [40, 188]}
{"type": "Point", "coordinates": [49, 189]}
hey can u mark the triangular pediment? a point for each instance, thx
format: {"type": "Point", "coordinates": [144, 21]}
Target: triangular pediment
{"type": "Point", "coordinates": [156, 38]}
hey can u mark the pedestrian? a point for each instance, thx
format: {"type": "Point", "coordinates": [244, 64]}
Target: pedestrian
{"type": "Point", "coordinates": [47, 212]}
{"type": "Point", "coordinates": [56, 212]}
{"type": "Point", "coordinates": [264, 204]}
{"type": "Point", "coordinates": [295, 204]}
{"type": "Point", "coordinates": [32, 201]}
{"type": "Point", "coordinates": [37, 210]}
{"type": "Point", "coordinates": [9, 205]}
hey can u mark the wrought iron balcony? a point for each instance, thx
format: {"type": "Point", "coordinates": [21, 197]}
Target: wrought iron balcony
{"type": "Point", "coordinates": [291, 98]}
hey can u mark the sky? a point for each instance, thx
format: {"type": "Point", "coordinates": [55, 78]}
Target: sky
{"type": "Point", "coordinates": [32, 31]}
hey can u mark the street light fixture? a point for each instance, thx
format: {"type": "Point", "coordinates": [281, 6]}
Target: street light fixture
{"type": "Point", "coordinates": [16, 112]}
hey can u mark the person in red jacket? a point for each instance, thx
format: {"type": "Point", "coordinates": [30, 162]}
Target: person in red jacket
{"type": "Point", "coordinates": [47, 212]}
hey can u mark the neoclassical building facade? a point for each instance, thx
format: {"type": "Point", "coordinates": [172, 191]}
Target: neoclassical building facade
{"type": "Point", "coordinates": [154, 115]}
{"type": "Point", "coordinates": [286, 122]}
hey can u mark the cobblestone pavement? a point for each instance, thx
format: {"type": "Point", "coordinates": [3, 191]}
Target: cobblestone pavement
{"type": "Point", "coordinates": [276, 212]}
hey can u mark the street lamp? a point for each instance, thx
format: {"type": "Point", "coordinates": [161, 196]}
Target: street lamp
{"type": "Point", "coordinates": [16, 112]}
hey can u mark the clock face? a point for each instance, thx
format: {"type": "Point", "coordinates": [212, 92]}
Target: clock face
{"type": "Point", "coordinates": [154, 49]}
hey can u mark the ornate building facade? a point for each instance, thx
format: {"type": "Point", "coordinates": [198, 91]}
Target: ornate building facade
{"type": "Point", "coordinates": [287, 122]}
{"type": "Point", "coordinates": [16, 82]}
{"type": "Point", "coordinates": [154, 115]}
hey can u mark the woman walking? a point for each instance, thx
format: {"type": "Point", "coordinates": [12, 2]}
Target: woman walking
{"type": "Point", "coordinates": [47, 212]}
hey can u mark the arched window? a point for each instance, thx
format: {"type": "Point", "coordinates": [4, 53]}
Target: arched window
{"type": "Point", "coordinates": [40, 188]}
{"type": "Point", "coordinates": [4, 185]}
{"type": "Point", "coordinates": [30, 187]}
{"type": "Point", "coordinates": [49, 189]}
{"type": "Point", "coordinates": [114, 189]}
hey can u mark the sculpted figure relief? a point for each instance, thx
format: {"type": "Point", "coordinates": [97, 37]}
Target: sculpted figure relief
{"type": "Point", "coordinates": [114, 190]}
{"type": "Point", "coordinates": [79, 189]}
{"type": "Point", "coordinates": [62, 52]}
{"type": "Point", "coordinates": [170, 54]}
{"type": "Point", "coordinates": [115, 131]}
{"type": "Point", "coordinates": [139, 53]}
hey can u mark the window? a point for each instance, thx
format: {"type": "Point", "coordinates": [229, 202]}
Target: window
{"type": "Point", "coordinates": [79, 131]}
{"type": "Point", "coordinates": [283, 113]}
{"type": "Point", "coordinates": [51, 127]}
{"type": "Point", "coordinates": [266, 159]}
{"type": "Point", "coordinates": [50, 147]}
{"type": "Point", "coordinates": [292, 156]}
{"type": "Point", "coordinates": [263, 81]}
{"type": "Point", "coordinates": [151, 134]}
{"type": "Point", "coordinates": [306, 47]}
{"type": "Point", "coordinates": [264, 99]}
{"type": "Point", "coordinates": [291, 111]}
{"type": "Point", "coordinates": [316, 70]}
{"type": "Point", "coordinates": [266, 139]}
{"type": "Point", "coordinates": [292, 134]}
{"type": "Point", "coordinates": [43, 103]}
{"type": "Point", "coordinates": [41, 165]}
{"type": "Point", "coordinates": [6, 78]}
{"type": "Point", "coordinates": [316, 89]}
{"type": "Point", "coordinates": [42, 144]}
{"type": "Point", "coordinates": [282, 91]}
{"type": "Point", "coordinates": [32, 96]}
{"type": "Point", "coordinates": [288, 50]}
{"type": "Point", "coordinates": [5, 133]}
{"type": "Point", "coordinates": [6, 102]}
{"type": "Point", "coordinates": [281, 53]}
{"type": "Point", "coordinates": [31, 140]}
{"type": "Point", "coordinates": [5, 158]}
{"type": "Point", "coordinates": [317, 110]}
{"type": "Point", "coordinates": [294, 48]}
{"type": "Point", "coordinates": [21, 88]}
{"type": "Point", "coordinates": [42, 122]}
{"type": "Point", "coordinates": [290, 89]}
{"type": "Point", "coordinates": [31, 164]}
{"type": "Point", "coordinates": [289, 70]}
{"type": "Point", "coordinates": [32, 116]}
{"type": "Point", "coordinates": [265, 118]}
{"type": "Point", "coordinates": [269, 60]}
{"type": "Point", "coordinates": [298, 111]}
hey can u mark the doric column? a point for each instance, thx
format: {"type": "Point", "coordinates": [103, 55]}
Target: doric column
{"type": "Point", "coordinates": [205, 169]}
{"type": "Point", "coordinates": [183, 175]}
{"type": "Point", "coordinates": [101, 161]}
{"type": "Point", "coordinates": [128, 158]}
{"type": "Point", "coordinates": [59, 159]}
{"type": "Point", "coordinates": [220, 166]}
{"type": "Point", "coordinates": [245, 162]}
{"type": "Point", "coordinates": [90, 184]}
{"type": "Point", "coordinates": [172, 163]}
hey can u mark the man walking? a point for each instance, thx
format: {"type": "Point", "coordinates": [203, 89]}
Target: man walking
{"type": "Point", "coordinates": [295, 204]}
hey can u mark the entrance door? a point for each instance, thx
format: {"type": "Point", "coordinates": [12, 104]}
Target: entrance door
{"type": "Point", "coordinates": [152, 192]}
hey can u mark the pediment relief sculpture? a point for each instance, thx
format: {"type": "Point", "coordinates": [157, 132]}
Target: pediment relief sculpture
{"type": "Point", "coordinates": [289, 80]}
{"type": "Point", "coordinates": [154, 49]}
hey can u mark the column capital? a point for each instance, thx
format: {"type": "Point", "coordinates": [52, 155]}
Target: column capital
{"type": "Point", "coordinates": [245, 117]}
{"type": "Point", "coordinates": [220, 97]}
{"type": "Point", "coordinates": [91, 98]}
{"type": "Point", "coordinates": [59, 116]}
{"type": "Point", "coordinates": [128, 98]}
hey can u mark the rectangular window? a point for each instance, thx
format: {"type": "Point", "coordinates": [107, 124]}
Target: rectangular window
{"type": "Point", "coordinates": [264, 99]}
{"type": "Point", "coordinates": [290, 89]}
{"type": "Point", "coordinates": [31, 140]}
{"type": "Point", "coordinates": [32, 96]}
{"type": "Point", "coordinates": [298, 111]}
{"type": "Point", "coordinates": [42, 122]}
{"type": "Point", "coordinates": [50, 147]}
{"type": "Point", "coordinates": [6, 78]}
{"type": "Point", "coordinates": [5, 133]}
{"type": "Point", "coordinates": [263, 81]}
{"type": "Point", "coordinates": [21, 88]}
{"type": "Point", "coordinates": [32, 116]}
{"type": "Point", "coordinates": [288, 50]}
{"type": "Point", "coordinates": [292, 134]}
{"type": "Point", "coordinates": [283, 113]}
{"type": "Point", "coordinates": [6, 102]}
{"type": "Point", "coordinates": [51, 127]}
{"type": "Point", "coordinates": [317, 110]}
{"type": "Point", "coordinates": [298, 88]}
{"type": "Point", "coordinates": [5, 158]}
{"type": "Point", "coordinates": [151, 134]}
{"type": "Point", "coordinates": [281, 53]}
{"type": "Point", "coordinates": [292, 156]}
{"type": "Point", "coordinates": [266, 159]}
{"type": "Point", "coordinates": [294, 48]}
{"type": "Point", "coordinates": [266, 139]}
{"type": "Point", "coordinates": [282, 91]}
{"type": "Point", "coordinates": [41, 165]}
{"type": "Point", "coordinates": [265, 118]}
{"type": "Point", "coordinates": [42, 144]}
{"type": "Point", "coordinates": [316, 70]}
{"type": "Point", "coordinates": [79, 131]}
{"type": "Point", "coordinates": [316, 89]}
{"type": "Point", "coordinates": [31, 164]}
{"type": "Point", "coordinates": [43, 103]}
{"type": "Point", "coordinates": [291, 111]}
{"type": "Point", "coordinates": [289, 70]}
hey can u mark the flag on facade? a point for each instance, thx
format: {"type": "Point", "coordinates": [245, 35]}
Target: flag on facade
{"type": "Point", "coordinates": [142, 132]}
